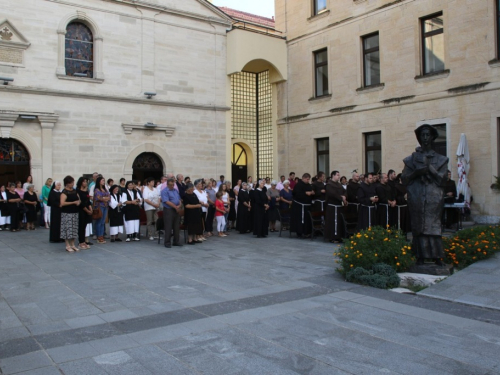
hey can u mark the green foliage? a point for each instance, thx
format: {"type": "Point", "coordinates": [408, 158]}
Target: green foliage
{"type": "Point", "coordinates": [381, 276]}
{"type": "Point", "coordinates": [496, 184]}
{"type": "Point", "coordinates": [372, 246]}
{"type": "Point", "coordinates": [471, 245]}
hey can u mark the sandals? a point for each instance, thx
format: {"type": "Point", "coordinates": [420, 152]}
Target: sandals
{"type": "Point", "coordinates": [69, 249]}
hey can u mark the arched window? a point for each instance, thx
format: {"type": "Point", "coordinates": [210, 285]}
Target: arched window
{"type": "Point", "coordinates": [79, 50]}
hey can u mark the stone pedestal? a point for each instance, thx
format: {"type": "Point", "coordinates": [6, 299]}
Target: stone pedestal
{"type": "Point", "coordinates": [432, 269]}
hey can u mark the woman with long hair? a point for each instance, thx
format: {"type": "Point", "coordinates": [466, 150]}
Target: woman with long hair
{"type": "Point", "coordinates": [101, 201]}
{"type": "Point", "coordinates": [85, 214]}
{"type": "Point", "coordinates": [70, 206]}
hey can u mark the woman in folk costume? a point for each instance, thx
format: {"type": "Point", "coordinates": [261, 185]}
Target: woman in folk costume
{"type": "Point", "coordinates": [115, 213]}
{"type": "Point", "coordinates": [132, 201]}
{"type": "Point", "coordinates": [4, 209]}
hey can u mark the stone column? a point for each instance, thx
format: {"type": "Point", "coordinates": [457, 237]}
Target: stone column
{"type": "Point", "coordinates": [47, 123]}
{"type": "Point", "coordinates": [7, 121]}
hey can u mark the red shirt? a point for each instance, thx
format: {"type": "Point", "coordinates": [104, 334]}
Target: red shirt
{"type": "Point", "coordinates": [220, 205]}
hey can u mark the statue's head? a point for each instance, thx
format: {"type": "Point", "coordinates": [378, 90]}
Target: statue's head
{"type": "Point", "coordinates": [426, 134]}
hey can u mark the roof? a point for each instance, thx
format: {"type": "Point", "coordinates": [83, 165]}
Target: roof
{"type": "Point", "coordinates": [249, 17]}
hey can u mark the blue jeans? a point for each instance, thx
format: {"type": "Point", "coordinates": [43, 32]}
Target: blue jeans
{"type": "Point", "coordinates": [100, 223]}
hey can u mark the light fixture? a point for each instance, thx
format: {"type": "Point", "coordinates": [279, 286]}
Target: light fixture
{"type": "Point", "coordinates": [150, 94]}
{"type": "Point", "coordinates": [79, 75]}
{"type": "Point", "coordinates": [28, 117]}
{"type": "Point", "coordinates": [150, 125]}
{"type": "Point", "coordinates": [6, 80]}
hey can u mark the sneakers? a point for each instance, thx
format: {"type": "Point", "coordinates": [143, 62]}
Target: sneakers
{"type": "Point", "coordinates": [137, 239]}
{"type": "Point", "coordinates": [128, 239]}
{"type": "Point", "coordinates": [151, 238]}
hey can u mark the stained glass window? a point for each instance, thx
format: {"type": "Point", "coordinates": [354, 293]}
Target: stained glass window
{"type": "Point", "coordinates": [79, 50]}
{"type": "Point", "coordinates": [12, 152]}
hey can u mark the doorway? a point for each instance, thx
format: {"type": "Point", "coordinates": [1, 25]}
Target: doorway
{"type": "Point", "coordinates": [14, 161]}
{"type": "Point", "coordinates": [239, 164]}
{"type": "Point", "coordinates": [146, 165]}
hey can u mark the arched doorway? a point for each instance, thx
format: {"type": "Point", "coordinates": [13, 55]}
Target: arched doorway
{"type": "Point", "coordinates": [147, 164]}
{"type": "Point", "coordinates": [14, 161]}
{"type": "Point", "coordinates": [239, 164]}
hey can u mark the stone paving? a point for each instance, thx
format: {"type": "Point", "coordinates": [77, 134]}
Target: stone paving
{"type": "Point", "coordinates": [237, 305]}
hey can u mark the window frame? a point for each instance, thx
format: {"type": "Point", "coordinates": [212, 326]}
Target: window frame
{"type": "Point", "coordinates": [92, 46]}
{"type": "Point", "coordinates": [372, 148]}
{"type": "Point", "coordinates": [425, 35]}
{"type": "Point", "coordinates": [315, 7]}
{"type": "Point", "coordinates": [497, 28]}
{"type": "Point", "coordinates": [320, 153]}
{"type": "Point", "coordinates": [319, 65]}
{"type": "Point", "coordinates": [368, 51]}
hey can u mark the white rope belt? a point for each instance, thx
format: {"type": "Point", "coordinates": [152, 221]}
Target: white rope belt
{"type": "Point", "coordinates": [386, 211]}
{"type": "Point", "coordinates": [336, 208]}
{"type": "Point", "coordinates": [322, 202]}
{"type": "Point", "coordinates": [302, 204]}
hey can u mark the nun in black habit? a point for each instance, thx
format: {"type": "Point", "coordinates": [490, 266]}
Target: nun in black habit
{"type": "Point", "coordinates": [244, 210]}
{"type": "Point", "coordinates": [54, 201]}
{"type": "Point", "coordinates": [300, 221]}
{"type": "Point", "coordinates": [260, 207]}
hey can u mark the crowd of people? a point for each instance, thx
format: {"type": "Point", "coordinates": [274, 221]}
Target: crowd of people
{"type": "Point", "coordinates": [76, 213]}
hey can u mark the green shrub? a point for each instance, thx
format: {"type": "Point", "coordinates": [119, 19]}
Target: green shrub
{"type": "Point", "coordinates": [372, 246]}
{"type": "Point", "coordinates": [381, 276]}
{"type": "Point", "coordinates": [471, 245]}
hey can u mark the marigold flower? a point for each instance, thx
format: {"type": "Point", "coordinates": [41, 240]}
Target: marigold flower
{"type": "Point", "coordinates": [397, 264]}
{"type": "Point", "coordinates": [376, 255]}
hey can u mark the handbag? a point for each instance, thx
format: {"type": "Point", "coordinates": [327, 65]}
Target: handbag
{"type": "Point", "coordinates": [96, 213]}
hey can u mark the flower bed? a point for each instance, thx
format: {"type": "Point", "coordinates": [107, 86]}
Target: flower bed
{"type": "Point", "coordinates": [372, 246]}
{"type": "Point", "coordinates": [471, 245]}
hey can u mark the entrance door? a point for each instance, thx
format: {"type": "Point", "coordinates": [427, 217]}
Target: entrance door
{"type": "Point", "coordinates": [147, 165]}
{"type": "Point", "coordinates": [239, 168]}
{"type": "Point", "coordinates": [14, 161]}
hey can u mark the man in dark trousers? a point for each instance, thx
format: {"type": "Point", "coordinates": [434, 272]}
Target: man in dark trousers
{"type": "Point", "coordinates": [367, 197]}
{"type": "Point", "coordinates": [171, 206]}
{"type": "Point", "coordinates": [335, 202]}
{"type": "Point", "coordinates": [300, 222]}
{"type": "Point", "coordinates": [352, 198]}
{"type": "Point", "coordinates": [386, 206]}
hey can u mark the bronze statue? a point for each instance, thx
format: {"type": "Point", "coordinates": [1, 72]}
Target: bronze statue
{"type": "Point", "coordinates": [424, 175]}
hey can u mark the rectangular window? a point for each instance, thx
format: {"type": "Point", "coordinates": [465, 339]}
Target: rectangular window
{"type": "Point", "coordinates": [323, 155]}
{"type": "Point", "coordinates": [497, 13]}
{"type": "Point", "coordinates": [433, 43]}
{"type": "Point", "coordinates": [440, 144]}
{"type": "Point", "coordinates": [319, 6]}
{"type": "Point", "coordinates": [371, 60]}
{"type": "Point", "coordinates": [373, 152]}
{"type": "Point", "coordinates": [321, 72]}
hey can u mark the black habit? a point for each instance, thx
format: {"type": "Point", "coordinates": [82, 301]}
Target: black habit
{"type": "Point", "coordinates": [367, 216]}
{"type": "Point", "coordinates": [260, 217]}
{"type": "Point", "coordinates": [318, 197]}
{"type": "Point", "coordinates": [243, 215]}
{"type": "Point", "coordinates": [352, 209]}
{"type": "Point", "coordinates": [54, 201]}
{"type": "Point", "coordinates": [334, 224]}
{"type": "Point", "coordinates": [403, 215]}
{"type": "Point", "coordinates": [300, 221]}
{"type": "Point", "coordinates": [386, 215]}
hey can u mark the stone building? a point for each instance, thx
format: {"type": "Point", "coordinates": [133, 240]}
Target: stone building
{"type": "Point", "coordinates": [363, 74]}
{"type": "Point", "coordinates": [129, 88]}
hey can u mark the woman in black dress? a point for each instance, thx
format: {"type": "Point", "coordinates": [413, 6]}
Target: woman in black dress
{"type": "Point", "coordinates": [260, 207]}
{"type": "Point", "coordinates": [243, 224]}
{"type": "Point", "coordinates": [85, 212]}
{"type": "Point", "coordinates": [115, 213]}
{"type": "Point", "coordinates": [30, 200]}
{"type": "Point", "coordinates": [231, 217]}
{"type": "Point", "coordinates": [192, 215]}
{"type": "Point", "coordinates": [4, 209]}
{"type": "Point", "coordinates": [54, 202]}
{"type": "Point", "coordinates": [13, 202]}
{"type": "Point", "coordinates": [70, 207]}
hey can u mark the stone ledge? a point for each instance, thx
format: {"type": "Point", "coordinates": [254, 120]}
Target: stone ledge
{"type": "Point", "coordinates": [319, 15]}
{"type": "Point", "coordinates": [81, 79]}
{"type": "Point", "coordinates": [495, 63]}
{"type": "Point", "coordinates": [316, 98]}
{"type": "Point", "coordinates": [169, 130]}
{"type": "Point", "coordinates": [433, 76]}
{"type": "Point", "coordinates": [418, 279]}
{"type": "Point", "coordinates": [372, 88]}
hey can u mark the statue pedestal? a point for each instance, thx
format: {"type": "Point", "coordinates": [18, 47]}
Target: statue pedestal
{"type": "Point", "coordinates": [432, 269]}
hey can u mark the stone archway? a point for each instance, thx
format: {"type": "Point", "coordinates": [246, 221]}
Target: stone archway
{"type": "Point", "coordinates": [250, 158]}
{"type": "Point", "coordinates": [150, 148]}
{"type": "Point", "coordinates": [14, 161]}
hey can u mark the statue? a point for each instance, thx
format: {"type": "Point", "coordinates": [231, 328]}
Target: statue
{"type": "Point", "coordinates": [424, 175]}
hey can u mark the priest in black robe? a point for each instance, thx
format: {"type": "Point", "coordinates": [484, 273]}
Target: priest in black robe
{"type": "Point", "coordinates": [352, 208]}
{"type": "Point", "coordinates": [386, 206]}
{"type": "Point", "coordinates": [54, 201]}
{"type": "Point", "coordinates": [403, 215]}
{"type": "Point", "coordinates": [319, 193]}
{"type": "Point", "coordinates": [300, 221]}
{"type": "Point", "coordinates": [243, 216]}
{"type": "Point", "coordinates": [367, 197]}
{"type": "Point", "coordinates": [260, 211]}
{"type": "Point", "coordinates": [335, 202]}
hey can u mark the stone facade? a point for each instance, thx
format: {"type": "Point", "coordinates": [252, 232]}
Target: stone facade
{"type": "Point", "coordinates": [465, 96]}
{"type": "Point", "coordinates": [81, 125]}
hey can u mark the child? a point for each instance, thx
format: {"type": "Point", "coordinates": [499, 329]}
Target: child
{"type": "Point", "coordinates": [220, 211]}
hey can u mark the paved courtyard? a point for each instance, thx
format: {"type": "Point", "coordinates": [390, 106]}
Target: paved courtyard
{"type": "Point", "coordinates": [237, 305]}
